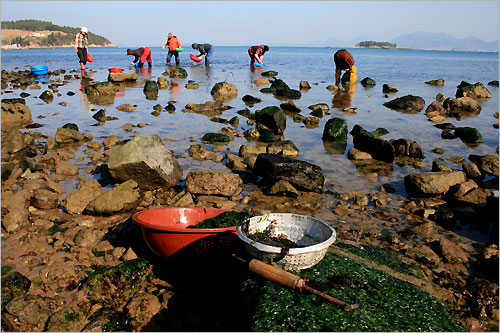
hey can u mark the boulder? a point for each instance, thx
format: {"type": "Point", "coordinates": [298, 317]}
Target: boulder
{"type": "Point", "coordinates": [47, 96]}
{"type": "Point", "coordinates": [487, 164]}
{"type": "Point", "coordinates": [451, 253]}
{"type": "Point", "coordinates": [438, 166]}
{"type": "Point", "coordinates": [283, 188]}
{"type": "Point", "coordinates": [121, 198]}
{"type": "Point", "coordinates": [432, 183]}
{"type": "Point", "coordinates": [378, 148]}
{"type": "Point", "coordinates": [209, 109]}
{"type": "Point", "coordinates": [435, 109]}
{"type": "Point", "coordinates": [216, 138]}
{"type": "Point", "coordinates": [335, 130]}
{"type": "Point", "coordinates": [68, 135]}
{"type": "Point", "coordinates": [33, 309]}
{"type": "Point", "coordinates": [66, 168]}
{"type": "Point", "coordinates": [437, 82]}
{"type": "Point", "coordinates": [12, 140]}
{"type": "Point", "coordinates": [468, 134]}
{"type": "Point", "coordinates": [162, 82]}
{"type": "Point", "coordinates": [150, 86]}
{"type": "Point", "coordinates": [477, 90]}
{"type": "Point", "coordinates": [250, 100]}
{"type": "Point", "coordinates": [15, 219]}
{"type": "Point", "coordinates": [147, 161]}
{"type": "Point", "coordinates": [234, 162]}
{"type": "Point", "coordinates": [462, 106]}
{"type": "Point", "coordinates": [126, 107]}
{"type": "Point", "coordinates": [269, 73]}
{"type": "Point", "coordinates": [87, 190]}
{"type": "Point", "coordinates": [358, 155]}
{"type": "Point", "coordinates": [282, 89]}
{"type": "Point", "coordinates": [100, 116]}
{"type": "Point", "coordinates": [405, 147]}
{"type": "Point", "coordinates": [456, 191]}
{"type": "Point", "coordinates": [121, 77]}
{"type": "Point", "coordinates": [270, 118]}
{"type": "Point", "coordinates": [261, 82]}
{"type": "Point", "coordinates": [213, 183]}
{"type": "Point", "coordinates": [45, 199]}
{"type": "Point", "coordinates": [290, 106]}
{"type": "Point", "coordinates": [387, 88]}
{"type": "Point", "coordinates": [368, 82]}
{"type": "Point", "coordinates": [176, 72]}
{"type": "Point", "coordinates": [304, 85]}
{"type": "Point", "coordinates": [100, 89]}
{"type": "Point", "coordinates": [408, 103]}
{"type": "Point", "coordinates": [493, 83]}
{"type": "Point", "coordinates": [223, 91]}
{"type": "Point", "coordinates": [471, 171]}
{"type": "Point", "coordinates": [15, 115]}
{"type": "Point", "coordinates": [285, 148]}
{"type": "Point", "coordinates": [302, 175]}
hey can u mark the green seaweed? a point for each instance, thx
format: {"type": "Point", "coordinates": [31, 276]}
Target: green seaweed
{"type": "Point", "coordinates": [223, 220]}
{"type": "Point", "coordinates": [387, 303]}
{"type": "Point", "coordinates": [56, 227]}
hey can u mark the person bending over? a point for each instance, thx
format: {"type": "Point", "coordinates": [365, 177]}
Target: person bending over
{"type": "Point", "coordinates": [256, 53]}
{"type": "Point", "coordinates": [205, 51]}
{"type": "Point", "coordinates": [173, 44]}
{"type": "Point", "coordinates": [141, 55]}
{"type": "Point", "coordinates": [344, 62]}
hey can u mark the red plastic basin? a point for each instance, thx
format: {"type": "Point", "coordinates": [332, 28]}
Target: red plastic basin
{"type": "Point", "coordinates": [164, 230]}
{"type": "Point", "coordinates": [115, 70]}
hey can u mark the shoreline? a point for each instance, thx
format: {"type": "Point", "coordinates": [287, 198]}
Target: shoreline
{"type": "Point", "coordinates": [9, 47]}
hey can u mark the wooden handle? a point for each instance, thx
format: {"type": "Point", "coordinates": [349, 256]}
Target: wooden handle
{"type": "Point", "coordinates": [276, 274]}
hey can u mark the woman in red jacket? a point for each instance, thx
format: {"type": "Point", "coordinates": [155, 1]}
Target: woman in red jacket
{"type": "Point", "coordinates": [142, 55]}
{"type": "Point", "coordinates": [173, 44]}
{"type": "Point", "coordinates": [256, 53]}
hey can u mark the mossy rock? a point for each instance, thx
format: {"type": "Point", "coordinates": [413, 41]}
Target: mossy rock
{"type": "Point", "coordinates": [387, 303]}
{"type": "Point", "coordinates": [47, 96]}
{"type": "Point", "coordinates": [71, 126]}
{"type": "Point", "coordinates": [267, 137]}
{"type": "Point", "coordinates": [7, 168]}
{"type": "Point", "coordinates": [269, 73]}
{"type": "Point", "coordinates": [268, 90]}
{"type": "Point", "coordinates": [469, 134]}
{"type": "Point", "coordinates": [151, 86]}
{"type": "Point", "coordinates": [235, 121]}
{"type": "Point", "coordinates": [380, 131]}
{"type": "Point", "coordinates": [368, 82]}
{"type": "Point", "coordinates": [177, 73]}
{"type": "Point", "coordinates": [170, 107]}
{"type": "Point", "coordinates": [14, 284]}
{"type": "Point", "coordinates": [216, 138]}
{"type": "Point", "coordinates": [476, 90]}
{"type": "Point", "coordinates": [335, 130]}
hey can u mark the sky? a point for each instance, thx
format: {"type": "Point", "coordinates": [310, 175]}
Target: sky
{"type": "Point", "coordinates": [278, 23]}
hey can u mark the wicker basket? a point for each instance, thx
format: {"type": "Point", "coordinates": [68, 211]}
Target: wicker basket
{"type": "Point", "coordinates": [313, 235]}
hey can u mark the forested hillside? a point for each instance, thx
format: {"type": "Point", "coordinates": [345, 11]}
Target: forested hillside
{"type": "Point", "coordinates": [35, 33]}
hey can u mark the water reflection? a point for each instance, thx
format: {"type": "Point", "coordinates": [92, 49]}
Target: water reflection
{"type": "Point", "coordinates": [343, 96]}
{"type": "Point", "coordinates": [367, 167]}
{"type": "Point", "coordinates": [335, 148]}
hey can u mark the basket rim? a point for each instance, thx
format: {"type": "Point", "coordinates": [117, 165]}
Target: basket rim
{"type": "Point", "coordinates": [292, 251]}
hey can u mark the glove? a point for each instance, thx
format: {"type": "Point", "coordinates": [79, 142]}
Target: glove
{"type": "Point", "coordinates": [163, 47]}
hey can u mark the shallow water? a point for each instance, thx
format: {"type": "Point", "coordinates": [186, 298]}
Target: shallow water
{"type": "Point", "coordinates": [405, 69]}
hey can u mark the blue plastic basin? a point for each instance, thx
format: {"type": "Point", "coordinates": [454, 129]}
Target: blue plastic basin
{"type": "Point", "coordinates": [39, 70]}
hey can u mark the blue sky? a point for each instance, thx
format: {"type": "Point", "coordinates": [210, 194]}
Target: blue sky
{"type": "Point", "coordinates": [146, 23]}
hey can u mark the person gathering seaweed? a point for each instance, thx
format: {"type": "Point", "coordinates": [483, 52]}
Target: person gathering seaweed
{"type": "Point", "coordinates": [141, 55]}
{"type": "Point", "coordinates": [205, 50]}
{"type": "Point", "coordinates": [173, 45]}
{"type": "Point", "coordinates": [344, 62]}
{"type": "Point", "coordinates": [81, 46]}
{"type": "Point", "coordinates": [256, 53]}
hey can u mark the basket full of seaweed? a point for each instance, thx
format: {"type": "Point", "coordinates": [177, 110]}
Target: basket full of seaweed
{"type": "Point", "coordinates": [289, 241]}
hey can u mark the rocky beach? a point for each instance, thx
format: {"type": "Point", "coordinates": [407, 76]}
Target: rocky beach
{"type": "Point", "coordinates": [73, 260]}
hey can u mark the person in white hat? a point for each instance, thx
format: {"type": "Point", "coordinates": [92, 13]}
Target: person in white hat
{"type": "Point", "coordinates": [81, 46]}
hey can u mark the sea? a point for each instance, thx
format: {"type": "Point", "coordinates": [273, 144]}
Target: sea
{"type": "Point", "coordinates": [407, 70]}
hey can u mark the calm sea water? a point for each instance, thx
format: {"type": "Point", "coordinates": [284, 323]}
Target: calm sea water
{"type": "Point", "coordinates": [405, 69]}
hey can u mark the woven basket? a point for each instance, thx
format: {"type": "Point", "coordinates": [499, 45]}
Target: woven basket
{"type": "Point", "coordinates": [312, 234]}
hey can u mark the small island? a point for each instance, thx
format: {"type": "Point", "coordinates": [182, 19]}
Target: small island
{"type": "Point", "coordinates": [376, 45]}
{"type": "Point", "coordinates": [33, 34]}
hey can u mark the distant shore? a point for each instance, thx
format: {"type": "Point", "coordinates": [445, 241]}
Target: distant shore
{"type": "Point", "coordinates": [12, 47]}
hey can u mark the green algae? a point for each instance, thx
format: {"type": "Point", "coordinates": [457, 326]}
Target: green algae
{"type": "Point", "coordinates": [223, 220]}
{"type": "Point", "coordinates": [387, 303]}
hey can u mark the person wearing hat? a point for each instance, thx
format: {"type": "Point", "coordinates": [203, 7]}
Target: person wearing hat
{"type": "Point", "coordinates": [344, 62]}
{"type": "Point", "coordinates": [205, 51]}
{"type": "Point", "coordinates": [142, 55]}
{"type": "Point", "coordinates": [173, 44]}
{"type": "Point", "coordinates": [81, 46]}
{"type": "Point", "coordinates": [256, 53]}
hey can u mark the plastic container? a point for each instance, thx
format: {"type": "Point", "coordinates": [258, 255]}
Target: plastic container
{"type": "Point", "coordinates": [314, 235]}
{"type": "Point", "coordinates": [39, 70]}
{"type": "Point", "coordinates": [179, 49]}
{"type": "Point", "coordinates": [194, 58]}
{"type": "Point", "coordinates": [164, 231]}
{"type": "Point", "coordinates": [115, 70]}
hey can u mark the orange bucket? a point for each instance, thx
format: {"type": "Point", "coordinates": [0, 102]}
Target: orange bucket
{"type": "Point", "coordinates": [164, 231]}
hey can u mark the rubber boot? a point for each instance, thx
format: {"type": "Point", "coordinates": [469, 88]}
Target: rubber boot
{"type": "Point", "coordinates": [82, 66]}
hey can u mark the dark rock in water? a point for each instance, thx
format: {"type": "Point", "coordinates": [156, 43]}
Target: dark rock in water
{"type": "Point", "coordinates": [24, 94]}
{"type": "Point", "coordinates": [300, 174]}
{"type": "Point", "coordinates": [448, 135]}
{"type": "Point", "coordinates": [16, 100]}
{"type": "Point", "coordinates": [438, 82]}
{"type": "Point", "coordinates": [408, 103]}
{"type": "Point", "coordinates": [34, 125]}
{"type": "Point", "coordinates": [432, 183]}
{"type": "Point", "coordinates": [487, 164]}
{"type": "Point", "coordinates": [223, 91]}
{"type": "Point", "coordinates": [176, 72]}
{"type": "Point", "coordinates": [216, 138]}
{"type": "Point", "coordinates": [493, 83]}
{"type": "Point", "coordinates": [209, 109]}
{"type": "Point", "coordinates": [170, 108]}
{"type": "Point", "coordinates": [145, 160]}
{"type": "Point", "coordinates": [469, 134]}
{"type": "Point", "coordinates": [290, 106]}
{"type": "Point", "coordinates": [269, 73]}
{"type": "Point", "coordinates": [150, 86]}
{"type": "Point", "coordinates": [304, 85]}
{"type": "Point", "coordinates": [368, 82]}
{"type": "Point", "coordinates": [267, 137]}
{"type": "Point", "coordinates": [477, 90]}
{"type": "Point", "coordinates": [235, 121]}
{"type": "Point", "coordinates": [405, 147]}
{"type": "Point", "coordinates": [458, 107]}
{"type": "Point", "coordinates": [70, 93]}
{"type": "Point", "coordinates": [438, 166]}
{"type": "Point", "coordinates": [100, 116]}
{"type": "Point", "coordinates": [387, 88]}
{"type": "Point", "coordinates": [270, 118]}
{"type": "Point", "coordinates": [380, 131]}
{"type": "Point", "coordinates": [335, 130]}
{"type": "Point", "coordinates": [7, 168]}
{"type": "Point", "coordinates": [72, 126]}
{"type": "Point", "coordinates": [268, 90]}
{"type": "Point", "coordinates": [435, 108]}
{"type": "Point", "coordinates": [378, 148]}
{"type": "Point", "coordinates": [247, 99]}
{"type": "Point", "coordinates": [445, 126]}
{"type": "Point", "coordinates": [282, 89]}
{"type": "Point", "coordinates": [32, 150]}
{"type": "Point", "coordinates": [47, 96]}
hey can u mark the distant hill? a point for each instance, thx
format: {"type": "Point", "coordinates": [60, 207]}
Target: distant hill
{"type": "Point", "coordinates": [43, 34]}
{"type": "Point", "coordinates": [443, 41]}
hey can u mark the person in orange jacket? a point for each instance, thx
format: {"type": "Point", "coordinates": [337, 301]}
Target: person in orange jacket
{"type": "Point", "coordinates": [344, 62]}
{"type": "Point", "coordinates": [141, 55]}
{"type": "Point", "coordinates": [173, 44]}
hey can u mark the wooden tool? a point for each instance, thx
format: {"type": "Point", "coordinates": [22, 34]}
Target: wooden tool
{"type": "Point", "coordinates": [295, 282]}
